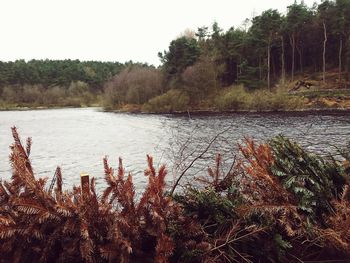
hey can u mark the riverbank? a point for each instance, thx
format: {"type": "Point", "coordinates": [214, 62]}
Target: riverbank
{"type": "Point", "coordinates": [27, 108]}
{"type": "Point", "coordinates": [328, 107]}
{"type": "Point", "coordinates": [301, 112]}
{"type": "Point", "coordinates": [229, 101]}
{"type": "Point", "coordinates": [239, 99]}
{"type": "Point", "coordinates": [193, 112]}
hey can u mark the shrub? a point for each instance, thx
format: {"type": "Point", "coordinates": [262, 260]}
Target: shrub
{"type": "Point", "coordinates": [274, 101]}
{"type": "Point", "coordinates": [172, 101]}
{"type": "Point", "coordinates": [237, 98]}
{"type": "Point", "coordinates": [32, 94]}
{"type": "Point", "coordinates": [77, 88]}
{"type": "Point", "coordinates": [54, 96]}
{"type": "Point", "coordinates": [134, 85]}
{"type": "Point", "coordinates": [199, 80]}
{"type": "Point", "coordinates": [36, 95]}
{"type": "Point", "coordinates": [10, 95]}
{"type": "Point", "coordinates": [79, 93]}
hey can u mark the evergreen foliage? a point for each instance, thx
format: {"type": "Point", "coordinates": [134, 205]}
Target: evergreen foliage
{"type": "Point", "coordinates": [50, 73]}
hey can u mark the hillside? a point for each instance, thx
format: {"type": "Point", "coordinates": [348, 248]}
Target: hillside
{"type": "Point", "coordinates": [334, 94]}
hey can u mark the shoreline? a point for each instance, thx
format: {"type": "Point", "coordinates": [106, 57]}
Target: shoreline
{"type": "Point", "coordinates": [332, 111]}
{"type": "Point", "coordinates": [46, 108]}
{"type": "Point", "coordinates": [198, 112]}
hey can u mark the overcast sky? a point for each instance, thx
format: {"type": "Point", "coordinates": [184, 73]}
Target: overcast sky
{"type": "Point", "coordinates": [109, 30]}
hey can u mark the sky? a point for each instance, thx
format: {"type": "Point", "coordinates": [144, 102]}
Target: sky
{"type": "Point", "coordinates": [107, 30]}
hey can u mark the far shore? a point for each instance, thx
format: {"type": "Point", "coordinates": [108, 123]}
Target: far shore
{"type": "Point", "coordinates": [218, 112]}
{"type": "Point", "coordinates": [194, 112]}
{"type": "Point", "coordinates": [29, 108]}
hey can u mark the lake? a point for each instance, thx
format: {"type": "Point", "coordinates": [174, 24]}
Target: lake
{"type": "Point", "coordinates": [78, 139]}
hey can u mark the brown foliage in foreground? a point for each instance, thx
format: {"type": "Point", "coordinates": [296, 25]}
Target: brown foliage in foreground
{"type": "Point", "coordinates": [264, 192]}
{"type": "Point", "coordinates": [72, 226]}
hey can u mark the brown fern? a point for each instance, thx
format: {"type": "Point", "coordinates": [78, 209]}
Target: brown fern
{"type": "Point", "coordinates": [337, 234]}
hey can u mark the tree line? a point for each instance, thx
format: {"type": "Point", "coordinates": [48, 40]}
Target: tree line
{"type": "Point", "coordinates": [269, 46]}
{"type": "Point", "coordinates": [57, 72]}
{"type": "Point", "coordinates": [54, 82]}
{"type": "Point", "coordinates": [268, 49]}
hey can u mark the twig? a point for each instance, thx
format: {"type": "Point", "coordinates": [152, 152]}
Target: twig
{"type": "Point", "coordinates": [238, 238]}
{"type": "Point", "coordinates": [195, 159]}
{"type": "Point", "coordinates": [298, 259]}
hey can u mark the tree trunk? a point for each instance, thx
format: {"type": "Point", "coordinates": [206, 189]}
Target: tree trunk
{"type": "Point", "coordinates": [268, 64]}
{"type": "Point", "coordinates": [216, 74]}
{"type": "Point", "coordinates": [324, 52]}
{"type": "Point", "coordinates": [300, 57]}
{"type": "Point", "coordinates": [260, 69]}
{"type": "Point", "coordinates": [273, 66]}
{"type": "Point", "coordinates": [240, 63]}
{"type": "Point", "coordinates": [347, 69]}
{"type": "Point", "coordinates": [339, 58]}
{"type": "Point", "coordinates": [292, 43]}
{"type": "Point", "coordinates": [283, 72]}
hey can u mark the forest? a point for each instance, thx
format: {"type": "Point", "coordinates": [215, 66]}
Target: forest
{"type": "Point", "coordinates": [54, 82]}
{"type": "Point", "coordinates": [213, 68]}
{"type": "Point", "coordinates": [250, 67]}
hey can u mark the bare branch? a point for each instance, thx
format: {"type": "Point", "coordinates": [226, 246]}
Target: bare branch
{"type": "Point", "coordinates": [196, 158]}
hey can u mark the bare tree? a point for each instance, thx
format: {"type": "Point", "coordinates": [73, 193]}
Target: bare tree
{"type": "Point", "coordinates": [134, 85]}
{"type": "Point", "coordinates": [201, 78]}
